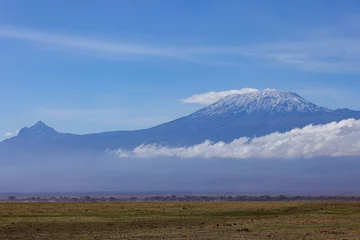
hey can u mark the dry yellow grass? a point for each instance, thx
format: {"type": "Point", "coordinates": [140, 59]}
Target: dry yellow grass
{"type": "Point", "coordinates": [209, 220]}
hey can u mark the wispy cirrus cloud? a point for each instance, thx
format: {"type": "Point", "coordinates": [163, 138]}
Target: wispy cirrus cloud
{"type": "Point", "coordinates": [330, 54]}
{"type": "Point", "coordinates": [88, 44]}
{"type": "Point", "coordinates": [211, 97]}
{"type": "Point", "coordinates": [335, 139]}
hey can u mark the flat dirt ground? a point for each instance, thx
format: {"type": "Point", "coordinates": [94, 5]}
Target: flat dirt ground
{"type": "Point", "coordinates": [208, 220]}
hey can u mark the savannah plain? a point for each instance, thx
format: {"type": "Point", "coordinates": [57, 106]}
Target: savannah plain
{"type": "Point", "coordinates": [179, 220]}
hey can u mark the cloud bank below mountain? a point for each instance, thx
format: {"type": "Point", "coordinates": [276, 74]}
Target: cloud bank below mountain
{"type": "Point", "coordinates": [336, 139]}
{"type": "Point", "coordinates": [211, 97]}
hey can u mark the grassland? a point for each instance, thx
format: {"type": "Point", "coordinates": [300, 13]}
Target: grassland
{"type": "Point", "coordinates": [209, 220]}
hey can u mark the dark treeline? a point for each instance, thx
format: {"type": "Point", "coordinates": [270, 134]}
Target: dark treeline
{"type": "Point", "coordinates": [185, 198]}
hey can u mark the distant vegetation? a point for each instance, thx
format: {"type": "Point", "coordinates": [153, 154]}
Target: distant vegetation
{"type": "Point", "coordinates": [185, 198]}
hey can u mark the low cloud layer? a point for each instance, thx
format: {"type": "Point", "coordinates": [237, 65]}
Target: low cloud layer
{"type": "Point", "coordinates": [333, 140]}
{"type": "Point", "coordinates": [211, 97]}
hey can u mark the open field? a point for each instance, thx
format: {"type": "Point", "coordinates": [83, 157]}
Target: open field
{"type": "Point", "coordinates": [209, 220]}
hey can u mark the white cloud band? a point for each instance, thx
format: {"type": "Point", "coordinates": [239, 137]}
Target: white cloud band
{"type": "Point", "coordinates": [211, 97]}
{"type": "Point", "coordinates": [335, 139]}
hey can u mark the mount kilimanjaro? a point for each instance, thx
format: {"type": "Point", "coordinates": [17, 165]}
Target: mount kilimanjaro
{"type": "Point", "coordinates": [234, 116]}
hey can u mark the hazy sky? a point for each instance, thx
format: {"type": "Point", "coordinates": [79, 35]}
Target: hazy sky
{"type": "Point", "coordinates": [91, 66]}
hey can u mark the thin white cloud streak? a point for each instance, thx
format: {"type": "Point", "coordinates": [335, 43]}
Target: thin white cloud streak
{"type": "Point", "coordinates": [326, 54]}
{"type": "Point", "coordinates": [323, 54]}
{"type": "Point", "coordinates": [211, 97]}
{"type": "Point", "coordinates": [330, 55]}
{"type": "Point", "coordinates": [337, 139]}
{"type": "Point", "coordinates": [93, 45]}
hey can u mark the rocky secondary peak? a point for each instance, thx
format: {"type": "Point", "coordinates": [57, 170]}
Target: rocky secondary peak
{"type": "Point", "coordinates": [40, 128]}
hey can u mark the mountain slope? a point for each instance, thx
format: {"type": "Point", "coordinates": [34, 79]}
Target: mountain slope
{"type": "Point", "coordinates": [249, 115]}
{"type": "Point", "coordinates": [40, 129]}
{"type": "Point", "coordinates": [244, 115]}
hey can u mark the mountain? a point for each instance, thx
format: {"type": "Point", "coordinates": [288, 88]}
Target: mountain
{"type": "Point", "coordinates": [40, 129]}
{"type": "Point", "coordinates": [249, 115]}
{"type": "Point", "coordinates": [238, 115]}
{"type": "Point", "coordinates": [265, 102]}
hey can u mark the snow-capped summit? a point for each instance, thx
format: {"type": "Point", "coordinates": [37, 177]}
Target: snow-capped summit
{"type": "Point", "coordinates": [268, 101]}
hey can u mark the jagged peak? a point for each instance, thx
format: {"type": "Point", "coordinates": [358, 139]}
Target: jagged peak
{"type": "Point", "coordinates": [40, 128]}
{"type": "Point", "coordinates": [268, 101]}
{"type": "Point", "coordinates": [40, 124]}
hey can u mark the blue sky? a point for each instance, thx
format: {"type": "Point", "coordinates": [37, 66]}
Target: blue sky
{"type": "Point", "coordinates": [92, 66]}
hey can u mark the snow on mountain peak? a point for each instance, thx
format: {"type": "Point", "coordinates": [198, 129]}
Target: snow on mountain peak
{"type": "Point", "coordinates": [268, 101]}
{"type": "Point", "coordinates": [212, 97]}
